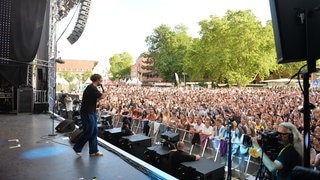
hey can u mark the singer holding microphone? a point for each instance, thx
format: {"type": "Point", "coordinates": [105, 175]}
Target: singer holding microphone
{"type": "Point", "coordinates": [89, 118]}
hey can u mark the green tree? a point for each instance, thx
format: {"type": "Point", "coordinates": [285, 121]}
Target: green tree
{"type": "Point", "coordinates": [67, 75]}
{"type": "Point", "coordinates": [120, 65]}
{"type": "Point", "coordinates": [167, 50]}
{"type": "Point", "coordinates": [233, 49]}
{"type": "Point", "coordinates": [85, 75]}
{"type": "Point", "coordinates": [286, 70]}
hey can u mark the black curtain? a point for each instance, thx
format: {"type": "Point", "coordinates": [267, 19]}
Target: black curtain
{"type": "Point", "coordinates": [43, 52]}
{"type": "Point", "coordinates": [26, 19]}
{"type": "Point", "coordinates": [26, 27]}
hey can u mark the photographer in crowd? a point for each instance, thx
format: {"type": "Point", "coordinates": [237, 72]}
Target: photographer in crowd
{"type": "Point", "coordinates": [290, 154]}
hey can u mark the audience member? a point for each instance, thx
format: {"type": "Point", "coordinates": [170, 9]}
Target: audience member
{"type": "Point", "coordinates": [178, 156]}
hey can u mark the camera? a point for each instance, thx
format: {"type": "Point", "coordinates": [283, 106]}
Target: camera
{"type": "Point", "coordinates": [268, 141]}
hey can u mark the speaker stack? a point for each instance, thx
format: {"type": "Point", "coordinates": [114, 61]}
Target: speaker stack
{"type": "Point", "coordinates": [25, 100]}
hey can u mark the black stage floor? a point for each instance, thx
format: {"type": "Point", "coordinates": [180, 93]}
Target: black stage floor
{"type": "Point", "coordinates": [29, 152]}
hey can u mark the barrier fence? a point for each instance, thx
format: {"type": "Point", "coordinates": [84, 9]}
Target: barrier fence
{"type": "Point", "coordinates": [209, 148]}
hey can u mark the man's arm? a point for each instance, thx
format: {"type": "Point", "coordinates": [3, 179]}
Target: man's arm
{"type": "Point", "coordinates": [104, 95]}
{"type": "Point", "coordinates": [271, 165]}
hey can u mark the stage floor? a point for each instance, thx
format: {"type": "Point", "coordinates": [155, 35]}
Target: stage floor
{"type": "Point", "coordinates": [28, 151]}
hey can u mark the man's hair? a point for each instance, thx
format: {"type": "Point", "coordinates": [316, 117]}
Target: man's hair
{"type": "Point", "coordinates": [180, 145]}
{"type": "Point", "coordinates": [297, 138]}
{"type": "Point", "coordinates": [95, 77]}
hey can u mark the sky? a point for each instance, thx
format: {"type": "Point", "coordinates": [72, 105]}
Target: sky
{"type": "Point", "coordinates": [116, 26]}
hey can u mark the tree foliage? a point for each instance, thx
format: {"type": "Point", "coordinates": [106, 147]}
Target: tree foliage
{"type": "Point", "coordinates": [120, 65]}
{"type": "Point", "coordinates": [67, 76]}
{"type": "Point", "coordinates": [235, 49]}
{"type": "Point", "coordinates": [167, 49]}
{"type": "Point", "coordinates": [85, 76]}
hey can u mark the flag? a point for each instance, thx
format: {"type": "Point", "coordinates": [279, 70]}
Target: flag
{"type": "Point", "coordinates": [177, 77]}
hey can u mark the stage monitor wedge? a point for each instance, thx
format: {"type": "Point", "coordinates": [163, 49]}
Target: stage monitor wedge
{"type": "Point", "coordinates": [290, 30]}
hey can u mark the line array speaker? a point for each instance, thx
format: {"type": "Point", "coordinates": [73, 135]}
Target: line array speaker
{"type": "Point", "coordinates": [81, 22]}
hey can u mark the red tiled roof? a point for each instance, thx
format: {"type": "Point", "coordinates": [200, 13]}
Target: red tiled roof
{"type": "Point", "coordinates": [76, 65]}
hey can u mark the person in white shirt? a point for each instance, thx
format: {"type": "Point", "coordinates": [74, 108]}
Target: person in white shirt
{"type": "Point", "coordinates": [218, 135]}
{"type": "Point", "coordinates": [69, 106]}
{"type": "Point", "coordinates": [219, 129]}
{"type": "Point", "coordinates": [197, 129]}
{"type": "Point", "coordinates": [207, 132]}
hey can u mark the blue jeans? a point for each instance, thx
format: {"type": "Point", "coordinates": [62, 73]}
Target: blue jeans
{"type": "Point", "coordinates": [90, 133]}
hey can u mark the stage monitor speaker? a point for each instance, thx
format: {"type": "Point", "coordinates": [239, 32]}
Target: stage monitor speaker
{"type": "Point", "coordinates": [65, 126]}
{"type": "Point", "coordinates": [136, 144]}
{"type": "Point", "coordinates": [159, 157]}
{"type": "Point", "coordinates": [113, 136]}
{"type": "Point", "coordinates": [203, 169]}
{"type": "Point", "coordinates": [75, 135]}
{"type": "Point", "coordinates": [289, 18]}
{"type": "Point", "coordinates": [40, 108]}
{"type": "Point", "coordinates": [170, 136]}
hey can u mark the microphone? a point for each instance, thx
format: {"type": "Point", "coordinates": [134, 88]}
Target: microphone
{"type": "Point", "coordinates": [102, 87]}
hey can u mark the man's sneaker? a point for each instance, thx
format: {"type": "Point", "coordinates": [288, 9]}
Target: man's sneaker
{"type": "Point", "coordinates": [96, 154]}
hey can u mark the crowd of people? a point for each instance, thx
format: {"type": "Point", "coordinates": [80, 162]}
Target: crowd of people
{"type": "Point", "coordinates": [207, 112]}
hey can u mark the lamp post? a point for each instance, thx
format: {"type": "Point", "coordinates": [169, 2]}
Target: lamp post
{"type": "Point", "coordinates": [184, 78]}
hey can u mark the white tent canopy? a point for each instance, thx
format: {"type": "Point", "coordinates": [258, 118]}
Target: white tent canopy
{"type": "Point", "coordinates": [61, 80]}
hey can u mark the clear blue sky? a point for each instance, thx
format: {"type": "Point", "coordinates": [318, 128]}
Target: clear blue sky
{"type": "Point", "coordinates": [116, 26]}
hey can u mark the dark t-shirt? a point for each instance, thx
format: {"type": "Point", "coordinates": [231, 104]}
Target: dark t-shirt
{"type": "Point", "coordinates": [178, 157]}
{"type": "Point", "coordinates": [289, 158]}
{"type": "Point", "coordinates": [89, 99]}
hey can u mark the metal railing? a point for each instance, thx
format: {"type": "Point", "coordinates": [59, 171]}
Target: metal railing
{"type": "Point", "coordinates": [40, 96]}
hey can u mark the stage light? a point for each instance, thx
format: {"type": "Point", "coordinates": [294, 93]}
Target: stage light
{"type": "Point", "coordinates": [59, 60]}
